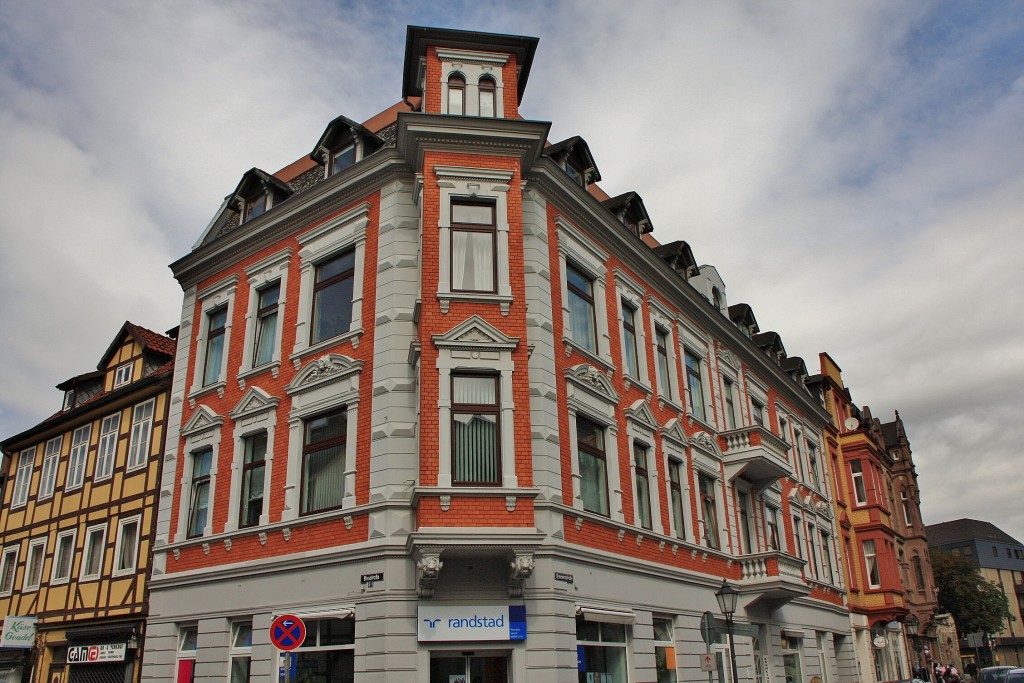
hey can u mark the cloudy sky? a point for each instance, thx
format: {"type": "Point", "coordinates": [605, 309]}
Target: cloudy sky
{"type": "Point", "coordinates": [854, 170]}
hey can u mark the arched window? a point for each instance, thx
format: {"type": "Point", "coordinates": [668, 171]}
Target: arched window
{"type": "Point", "coordinates": [488, 93]}
{"type": "Point", "coordinates": [716, 298]}
{"type": "Point", "coordinates": [456, 94]}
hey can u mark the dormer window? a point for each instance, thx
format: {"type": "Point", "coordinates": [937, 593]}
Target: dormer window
{"type": "Point", "coordinates": [488, 92]}
{"type": "Point", "coordinates": [256, 206]}
{"type": "Point", "coordinates": [574, 173]}
{"type": "Point", "coordinates": [123, 375]}
{"type": "Point", "coordinates": [343, 158]}
{"type": "Point", "coordinates": [456, 94]}
{"type": "Point", "coordinates": [69, 399]}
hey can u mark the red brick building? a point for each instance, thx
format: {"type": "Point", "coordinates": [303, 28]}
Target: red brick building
{"type": "Point", "coordinates": [447, 402]}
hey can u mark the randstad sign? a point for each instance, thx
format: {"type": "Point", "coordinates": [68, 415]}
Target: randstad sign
{"type": "Point", "coordinates": [471, 622]}
{"type": "Point", "coordinates": [19, 632]}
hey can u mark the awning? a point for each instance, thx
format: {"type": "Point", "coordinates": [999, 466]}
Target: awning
{"type": "Point", "coordinates": [103, 633]}
{"type": "Point", "coordinates": [606, 615]}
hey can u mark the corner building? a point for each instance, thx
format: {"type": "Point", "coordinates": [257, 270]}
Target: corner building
{"type": "Point", "coordinates": [445, 400]}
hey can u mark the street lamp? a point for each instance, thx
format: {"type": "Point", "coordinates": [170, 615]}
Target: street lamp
{"type": "Point", "coordinates": [727, 597]}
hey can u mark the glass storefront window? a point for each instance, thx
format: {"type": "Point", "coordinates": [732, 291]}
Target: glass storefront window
{"type": "Point", "coordinates": [327, 655]}
{"type": "Point", "coordinates": [664, 650]}
{"type": "Point", "coordinates": [472, 668]}
{"type": "Point", "coordinates": [602, 651]}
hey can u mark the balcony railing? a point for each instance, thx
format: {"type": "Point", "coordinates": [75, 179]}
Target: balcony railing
{"type": "Point", "coordinates": [755, 454]}
{"type": "Point", "coordinates": [776, 575]}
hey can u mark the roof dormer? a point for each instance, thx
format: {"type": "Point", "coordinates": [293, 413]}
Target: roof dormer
{"type": "Point", "coordinates": [467, 73]}
{"type": "Point", "coordinates": [795, 367]}
{"type": "Point", "coordinates": [574, 157]}
{"type": "Point", "coordinates": [343, 144]}
{"type": "Point", "coordinates": [257, 193]}
{"type": "Point", "coordinates": [629, 209]}
{"type": "Point", "coordinates": [742, 315]}
{"type": "Point", "coordinates": [770, 343]}
{"type": "Point", "coordinates": [680, 257]}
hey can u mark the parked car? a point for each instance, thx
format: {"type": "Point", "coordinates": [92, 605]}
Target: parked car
{"type": "Point", "coordinates": [1014, 676]}
{"type": "Point", "coordinates": [994, 674]}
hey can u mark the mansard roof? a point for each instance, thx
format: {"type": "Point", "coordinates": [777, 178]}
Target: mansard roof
{"type": "Point", "coordinates": [577, 151]}
{"type": "Point", "coordinates": [629, 207]}
{"type": "Point", "coordinates": [419, 38]}
{"type": "Point", "coordinates": [336, 132]}
{"type": "Point", "coordinates": [253, 182]}
{"type": "Point", "coordinates": [963, 530]}
{"type": "Point", "coordinates": [680, 257]}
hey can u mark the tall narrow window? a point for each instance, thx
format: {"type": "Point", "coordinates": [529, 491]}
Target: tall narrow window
{"type": "Point", "coordinates": [34, 564]}
{"type": "Point", "coordinates": [63, 554]}
{"type": "Point", "coordinates": [8, 568]}
{"type": "Point", "coordinates": [746, 537]}
{"type": "Point", "coordinates": [48, 477]}
{"type": "Point", "coordinates": [661, 342]}
{"type": "Point", "coordinates": [323, 462]}
{"type": "Point", "coordinates": [106, 452]}
{"type": "Point", "coordinates": [241, 652]}
{"type": "Point", "coordinates": [474, 246]}
{"type": "Point", "coordinates": [643, 486]}
{"type": "Point", "coordinates": [488, 93]}
{"type": "Point", "coordinates": [813, 546]}
{"type": "Point", "coordinates": [476, 456]}
{"type": "Point", "coordinates": [456, 94]}
{"type": "Point", "coordinates": [199, 499]}
{"type": "Point", "coordinates": [92, 559]}
{"type": "Point", "coordinates": [582, 319]}
{"type": "Point", "coordinates": [266, 324]}
{"type": "Point", "coordinates": [860, 494]}
{"type": "Point", "coordinates": [918, 571]}
{"type": "Point", "coordinates": [798, 537]}
{"type": "Point", "coordinates": [332, 297]}
{"type": "Point", "coordinates": [693, 382]}
{"type": "Point", "coordinates": [188, 641]}
{"type": "Point", "coordinates": [127, 549]}
{"type": "Point", "coordinates": [675, 478]}
{"type": "Point", "coordinates": [629, 357]}
{"type": "Point", "coordinates": [79, 451]}
{"type": "Point", "coordinates": [908, 515]}
{"type": "Point", "coordinates": [601, 649]}
{"type": "Point", "coordinates": [23, 477]}
{"type": "Point", "coordinates": [728, 398]}
{"type": "Point", "coordinates": [253, 474]}
{"type": "Point", "coordinates": [664, 650]}
{"type": "Point", "coordinates": [826, 557]}
{"type": "Point", "coordinates": [593, 466]}
{"type": "Point", "coordinates": [871, 564]}
{"type": "Point", "coordinates": [216, 326]}
{"type": "Point", "coordinates": [142, 430]}
{"type": "Point", "coordinates": [709, 507]}
{"type": "Point", "coordinates": [771, 522]}
{"type": "Point", "coordinates": [812, 465]}
{"type": "Point", "coordinates": [757, 412]}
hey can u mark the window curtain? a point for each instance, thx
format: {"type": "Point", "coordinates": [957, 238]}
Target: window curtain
{"type": "Point", "coordinates": [581, 321]}
{"type": "Point", "coordinates": [325, 478]}
{"type": "Point", "coordinates": [475, 435]}
{"type": "Point", "coordinates": [265, 339]}
{"type": "Point", "coordinates": [472, 261]}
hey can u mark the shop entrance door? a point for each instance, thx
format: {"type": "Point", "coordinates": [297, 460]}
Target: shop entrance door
{"type": "Point", "coordinates": [471, 667]}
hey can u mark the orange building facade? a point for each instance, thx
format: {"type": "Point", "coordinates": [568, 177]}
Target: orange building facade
{"type": "Point", "coordinates": [446, 404]}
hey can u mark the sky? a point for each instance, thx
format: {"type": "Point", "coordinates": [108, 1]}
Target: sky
{"type": "Point", "coordinates": [854, 170]}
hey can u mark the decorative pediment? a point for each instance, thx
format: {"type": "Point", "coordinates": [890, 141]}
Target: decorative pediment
{"type": "Point", "coordinates": [475, 333]}
{"type": "Point", "coordinates": [592, 380]}
{"type": "Point", "coordinates": [824, 509]}
{"type": "Point", "coordinates": [203, 419]}
{"type": "Point", "coordinates": [330, 368]}
{"type": "Point", "coordinates": [673, 431]}
{"type": "Point", "coordinates": [255, 401]}
{"type": "Point", "coordinates": [706, 443]}
{"type": "Point", "coordinates": [641, 413]}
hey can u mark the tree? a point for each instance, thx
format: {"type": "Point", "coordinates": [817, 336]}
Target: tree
{"type": "Point", "coordinates": [975, 603]}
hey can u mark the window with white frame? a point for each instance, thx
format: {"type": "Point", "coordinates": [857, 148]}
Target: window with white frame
{"type": "Point", "coordinates": [8, 569]}
{"type": "Point", "coordinates": [328, 652]}
{"type": "Point", "coordinates": [199, 490]}
{"type": "Point", "coordinates": [871, 564]}
{"type": "Point", "coordinates": [709, 510]}
{"type": "Point", "coordinates": [676, 477]}
{"type": "Point", "coordinates": [602, 651]}
{"type": "Point", "coordinates": [23, 476]}
{"type": "Point", "coordinates": [51, 459]}
{"type": "Point", "coordinates": [265, 341]}
{"type": "Point", "coordinates": [331, 261]}
{"type": "Point", "coordinates": [812, 545]}
{"type": "Point", "coordinates": [216, 327]}
{"type": "Point", "coordinates": [471, 82]}
{"type": "Point", "coordinates": [188, 642]}
{"type": "Point", "coordinates": [474, 246]}
{"type": "Point", "coordinates": [78, 457]}
{"type": "Point", "coordinates": [791, 649]}
{"type": "Point", "coordinates": [342, 158]}
{"type": "Point", "coordinates": [122, 375]}
{"type": "Point", "coordinates": [584, 315]}
{"type": "Point", "coordinates": [63, 557]}
{"type": "Point", "coordinates": [630, 360]}
{"type": "Point", "coordinates": [757, 411]}
{"type": "Point", "coordinates": [142, 431]}
{"type": "Point", "coordinates": [771, 523]}
{"type": "Point", "coordinates": [267, 279]}
{"type": "Point", "coordinates": [812, 465]}
{"type": "Point", "coordinates": [664, 650]}
{"type": "Point", "coordinates": [241, 652]}
{"type": "Point", "coordinates": [92, 551]}
{"type": "Point", "coordinates": [643, 485]}
{"type": "Point", "coordinates": [215, 314]}
{"type": "Point", "coordinates": [593, 465]}
{"type": "Point", "coordinates": [662, 344]}
{"type": "Point", "coordinates": [860, 494]}
{"type": "Point", "coordinates": [34, 564]}
{"type": "Point", "coordinates": [106, 451]}
{"type": "Point", "coordinates": [254, 449]}
{"type": "Point", "coordinates": [255, 206]}
{"type": "Point", "coordinates": [476, 437]}
{"type": "Point", "coordinates": [908, 514]}
{"type": "Point", "coordinates": [323, 462]}
{"type": "Point", "coordinates": [746, 515]}
{"type": "Point", "coordinates": [665, 350]}
{"type": "Point", "coordinates": [694, 384]}
{"type": "Point", "coordinates": [826, 557]}
{"type": "Point", "coordinates": [798, 541]}
{"type": "Point", "coordinates": [126, 551]}
{"type": "Point", "coordinates": [729, 402]}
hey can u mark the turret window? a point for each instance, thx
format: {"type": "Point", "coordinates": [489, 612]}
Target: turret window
{"type": "Point", "coordinates": [456, 94]}
{"type": "Point", "coordinates": [487, 90]}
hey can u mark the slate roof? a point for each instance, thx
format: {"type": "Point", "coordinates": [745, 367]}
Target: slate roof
{"type": "Point", "coordinates": [965, 530]}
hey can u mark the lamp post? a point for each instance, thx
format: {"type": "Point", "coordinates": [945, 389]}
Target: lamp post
{"type": "Point", "coordinates": [727, 597]}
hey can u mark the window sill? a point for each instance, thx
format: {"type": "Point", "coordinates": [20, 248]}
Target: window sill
{"type": "Point", "coordinates": [198, 393]}
{"type": "Point", "coordinates": [664, 402]}
{"type": "Point", "coordinates": [632, 382]}
{"type": "Point", "coordinates": [274, 367]}
{"type": "Point", "coordinates": [446, 298]}
{"type": "Point", "coordinates": [351, 336]}
{"type": "Point", "coordinates": [571, 345]}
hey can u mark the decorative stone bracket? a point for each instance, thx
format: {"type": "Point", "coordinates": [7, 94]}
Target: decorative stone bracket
{"type": "Point", "coordinates": [520, 568]}
{"type": "Point", "coordinates": [428, 569]}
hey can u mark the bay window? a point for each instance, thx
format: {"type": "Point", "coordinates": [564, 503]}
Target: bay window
{"type": "Point", "coordinates": [474, 247]}
{"type": "Point", "coordinates": [476, 453]}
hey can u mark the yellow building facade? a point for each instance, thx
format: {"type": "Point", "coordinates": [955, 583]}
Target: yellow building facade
{"type": "Point", "coordinates": [80, 500]}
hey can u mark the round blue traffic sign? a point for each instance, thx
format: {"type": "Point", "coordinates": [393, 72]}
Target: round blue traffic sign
{"type": "Point", "coordinates": [287, 632]}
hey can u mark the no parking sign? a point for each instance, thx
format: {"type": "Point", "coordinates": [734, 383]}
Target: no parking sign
{"type": "Point", "coordinates": [287, 632]}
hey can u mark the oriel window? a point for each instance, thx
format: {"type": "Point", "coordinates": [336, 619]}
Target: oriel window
{"type": "Point", "coordinates": [476, 454]}
{"type": "Point", "coordinates": [474, 247]}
